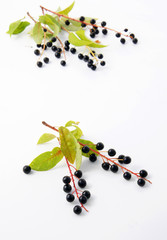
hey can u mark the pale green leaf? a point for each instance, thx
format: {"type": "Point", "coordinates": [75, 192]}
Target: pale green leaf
{"type": "Point", "coordinates": [71, 123]}
{"type": "Point", "coordinates": [82, 36]}
{"type": "Point", "coordinates": [90, 145]}
{"type": "Point", "coordinates": [67, 10]}
{"type": "Point", "coordinates": [97, 45]}
{"type": "Point", "coordinates": [46, 137]}
{"type": "Point", "coordinates": [77, 132]}
{"type": "Point", "coordinates": [17, 27]}
{"type": "Point", "coordinates": [74, 40]}
{"type": "Point", "coordinates": [78, 157]}
{"type": "Point", "coordinates": [37, 33]}
{"type": "Point", "coordinates": [47, 160]}
{"type": "Point", "coordinates": [51, 22]}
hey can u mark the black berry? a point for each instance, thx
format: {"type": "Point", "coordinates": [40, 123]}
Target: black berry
{"type": "Point", "coordinates": [54, 48]}
{"type": "Point", "coordinates": [132, 35]}
{"type": "Point", "coordinates": [59, 50]}
{"type": "Point", "coordinates": [82, 199]}
{"type": "Point", "coordinates": [45, 30]}
{"type": "Point", "coordinates": [93, 67]}
{"type": "Point", "coordinates": [104, 31]}
{"type": "Point", "coordinates": [80, 56]}
{"type": "Point", "coordinates": [44, 47]}
{"type": "Point", "coordinates": [39, 64]}
{"type": "Point", "coordinates": [93, 53]}
{"type": "Point", "coordinates": [67, 22]}
{"type": "Point", "coordinates": [67, 188]}
{"type": "Point", "coordinates": [125, 30]}
{"type": "Point", "coordinates": [67, 48]}
{"type": "Point", "coordinates": [121, 158]}
{"type": "Point", "coordinates": [141, 182]}
{"type": "Point", "coordinates": [99, 146]}
{"type": "Point", "coordinates": [92, 35]}
{"type": "Point", "coordinates": [111, 152]}
{"type": "Point", "coordinates": [102, 63]}
{"type": "Point", "coordinates": [53, 39]}
{"type": "Point", "coordinates": [92, 21]}
{"type": "Point", "coordinates": [49, 44]}
{"type": "Point", "coordinates": [73, 50]}
{"type": "Point", "coordinates": [63, 63]}
{"type": "Point", "coordinates": [38, 45]}
{"type": "Point", "coordinates": [78, 173]}
{"type": "Point", "coordinates": [127, 160]}
{"type": "Point", "coordinates": [103, 24]}
{"type": "Point", "coordinates": [67, 43]}
{"type": "Point", "coordinates": [135, 40]}
{"type": "Point", "coordinates": [90, 61]}
{"type": "Point", "coordinates": [66, 179]}
{"type": "Point", "coordinates": [83, 25]}
{"type": "Point", "coordinates": [97, 31]}
{"type": "Point", "coordinates": [127, 175]}
{"type": "Point", "coordinates": [122, 40]}
{"type": "Point", "coordinates": [92, 157]}
{"type": "Point", "coordinates": [86, 58]}
{"type": "Point", "coordinates": [37, 52]}
{"type": "Point", "coordinates": [77, 209]}
{"type": "Point", "coordinates": [143, 173]}
{"type": "Point", "coordinates": [70, 197]}
{"type": "Point", "coordinates": [89, 65]}
{"type": "Point", "coordinates": [114, 168]}
{"type": "Point", "coordinates": [85, 149]}
{"type": "Point", "coordinates": [57, 54]}
{"type": "Point", "coordinates": [82, 19]}
{"type": "Point", "coordinates": [117, 35]}
{"type": "Point", "coordinates": [86, 194]}
{"type": "Point", "coordinates": [26, 169]}
{"type": "Point", "coordinates": [46, 60]}
{"type": "Point", "coordinates": [105, 165]}
{"type": "Point", "coordinates": [82, 183]}
{"type": "Point", "coordinates": [100, 56]}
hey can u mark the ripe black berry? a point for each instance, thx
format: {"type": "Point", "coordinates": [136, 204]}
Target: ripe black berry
{"type": "Point", "coordinates": [67, 48]}
{"type": "Point", "coordinates": [59, 50]}
{"type": "Point", "coordinates": [46, 60]}
{"type": "Point", "coordinates": [92, 21]}
{"type": "Point", "coordinates": [102, 63]}
{"type": "Point", "coordinates": [122, 40]}
{"type": "Point", "coordinates": [39, 64]}
{"type": "Point", "coordinates": [66, 179]}
{"type": "Point", "coordinates": [38, 45]}
{"type": "Point", "coordinates": [105, 165]}
{"type": "Point", "coordinates": [54, 48]}
{"type": "Point", "coordinates": [86, 194]}
{"type": "Point", "coordinates": [80, 56]}
{"type": "Point", "coordinates": [104, 31]}
{"type": "Point", "coordinates": [82, 183]}
{"type": "Point", "coordinates": [37, 52]}
{"type": "Point", "coordinates": [97, 31]}
{"type": "Point", "coordinates": [86, 58]}
{"type": "Point", "coordinates": [125, 30]}
{"type": "Point", "coordinates": [67, 22]}
{"type": "Point", "coordinates": [82, 19]}
{"type": "Point", "coordinates": [82, 199]}
{"type": "Point", "coordinates": [92, 35]}
{"type": "Point", "coordinates": [93, 53]}
{"type": "Point", "coordinates": [92, 157]}
{"type": "Point", "coordinates": [117, 35]}
{"type": "Point", "coordinates": [103, 24]}
{"type": "Point", "coordinates": [53, 39]}
{"type": "Point", "coordinates": [141, 182]}
{"type": "Point", "coordinates": [121, 158]}
{"type": "Point", "coordinates": [44, 47]}
{"type": "Point", "coordinates": [57, 54]}
{"type": "Point", "coordinates": [99, 146]}
{"type": "Point", "coordinates": [93, 67]}
{"type": "Point", "coordinates": [73, 50]}
{"type": "Point", "coordinates": [77, 209]}
{"type": "Point", "coordinates": [90, 61]}
{"type": "Point", "coordinates": [143, 173]}
{"type": "Point", "coordinates": [89, 65]}
{"type": "Point", "coordinates": [114, 168]}
{"type": "Point", "coordinates": [127, 175]}
{"type": "Point", "coordinates": [67, 188]}
{"type": "Point", "coordinates": [135, 40]}
{"type": "Point", "coordinates": [70, 197]}
{"type": "Point", "coordinates": [83, 25]}
{"type": "Point", "coordinates": [127, 160]}
{"type": "Point", "coordinates": [132, 35]}
{"type": "Point", "coordinates": [85, 149]}
{"type": "Point", "coordinates": [45, 30]}
{"type": "Point", "coordinates": [92, 30]}
{"type": "Point", "coordinates": [78, 173]}
{"type": "Point", "coordinates": [100, 56]}
{"type": "Point", "coordinates": [111, 152]}
{"type": "Point", "coordinates": [26, 169]}
{"type": "Point", "coordinates": [67, 43]}
{"type": "Point", "coordinates": [63, 63]}
{"type": "Point", "coordinates": [49, 44]}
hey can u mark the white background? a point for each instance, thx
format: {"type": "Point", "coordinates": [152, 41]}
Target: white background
{"type": "Point", "coordinates": [122, 105]}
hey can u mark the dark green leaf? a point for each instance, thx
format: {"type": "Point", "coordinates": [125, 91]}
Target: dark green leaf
{"type": "Point", "coordinates": [37, 33]}
{"type": "Point", "coordinates": [46, 137]}
{"type": "Point", "coordinates": [67, 10]}
{"type": "Point", "coordinates": [47, 160]}
{"type": "Point", "coordinates": [90, 145]}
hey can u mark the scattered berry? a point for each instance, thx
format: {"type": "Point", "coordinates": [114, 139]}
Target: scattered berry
{"type": "Point", "coordinates": [132, 35]}
{"type": "Point", "coordinates": [103, 24]}
{"type": "Point", "coordinates": [80, 56]}
{"type": "Point", "coordinates": [117, 35]}
{"type": "Point", "coordinates": [97, 31]}
{"type": "Point", "coordinates": [141, 182]}
{"type": "Point", "coordinates": [39, 64]}
{"type": "Point", "coordinates": [82, 183]}
{"type": "Point", "coordinates": [59, 50]}
{"type": "Point", "coordinates": [67, 188]}
{"type": "Point", "coordinates": [37, 52]}
{"type": "Point", "coordinates": [127, 160]}
{"type": "Point", "coordinates": [44, 47]}
{"type": "Point", "coordinates": [100, 56]}
{"type": "Point", "coordinates": [78, 173]}
{"type": "Point", "coordinates": [105, 165]}
{"type": "Point", "coordinates": [82, 199]}
{"type": "Point", "coordinates": [38, 45]}
{"type": "Point", "coordinates": [143, 173]}
{"type": "Point", "coordinates": [111, 152]}
{"type": "Point", "coordinates": [92, 157]}
{"type": "Point", "coordinates": [125, 30]}
{"type": "Point", "coordinates": [90, 61]}
{"type": "Point", "coordinates": [26, 169]}
{"type": "Point", "coordinates": [57, 54]}
{"type": "Point", "coordinates": [89, 65]}
{"type": "Point", "coordinates": [46, 60]}
{"type": "Point", "coordinates": [104, 31]}
{"type": "Point", "coordinates": [102, 63]}
{"type": "Point", "coordinates": [77, 209]}
{"type": "Point", "coordinates": [67, 22]}
{"type": "Point", "coordinates": [73, 50]}
{"type": "Point", "coordinates": [92, 21]}
{"type": "Point", "coordinates": [127, 175]}
{"type": "Point", "coordinates": [121, 158]}
{"type": "Point", "coordinates": [99, 146]}
{"type": "Point", "coordinates": [49, 44]}
{"type": "Point", "coordinates": [86, 194]}
{"type": "Point", "coordinates": [66, 179]}
{"type": "Point", "coordinates": [122, 40]}
{"type": "Point", "coordinates": [63, 63]}
{"type": "Point", "coordinates": [82, 19]}
{"type": "Point", "coordinates": [86, 58]}
{"type": "Point", "coordinates": [85, 149]}
{"type": "Point", "coordinates": [44, 29]}
{"type": "Point", "coordinates": [54, 48]}
{"type": "Point", "coordinates": [92, 35]}
{"type": "Point", "coordinates": [70, 197]}
{"type": "Point", "coordinates": [114, 168]}
{"type": "Point", "coordinates": [67, 48]}
{"type": "Point", "coordinates": [83, 25]}
{"type": "Point", "coordinates": [135, 40]}
{"type": "Point", "coordinates": [67, 43]}
{"type": "Point", "coordinates": [53, 39]}
{"type": "Point", "coordinates": [93, 67]}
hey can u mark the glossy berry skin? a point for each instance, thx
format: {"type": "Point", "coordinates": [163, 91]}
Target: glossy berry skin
{"type": "Point", "coordinates": [117, 35]}
{"type": "Point", "coordinates": [70, 197]}
{"type": "Point", "coordinates": [67, 188]}
{"type": "Point", "coordinates": [92, 157]}
{"type": "Point", "coordinates": [63, 63]}
{"type": "Point", "coordinates": [78, 173]}
{"type": "Point", "coordinates": [99, 146]}
{"type": "Point", "coordinates": [122, 40]}
{"type": "Point", "coordinates": [59, 50]}
{"type": "Point", "coordinates": [86, 58]}
{"type": "Point", "coordinates": [49, 44]}
{"type": "Point", "coordinates": [37, 52]}
{"type": "Point", "coordinates": [66, 179]}
{"type": "Point", "coordinates": [93, 53]}
{"type": "Point", "coordinates": [114, 168]}
{"type": "Point", "coordinates": [92, 35]}
{"type": "Point", "coordinates": [135, 40]}
{"type": "Point", "coordinates": [97, 32]}
{"type": "Point", "coordinates": [111, 152]}
{"type": "Point", "coordinates": [132, 35]}
{"type": "Point", "coordinates": [83, 25]}
{"type": "Point", "coordinates": [100, 56]}
{"type": "Point", "coordinates": [85, 149]}
{"type": "Point", "coordinates": [104, 31]}
{"type": "Point", "coordinates": [90, 61]}
{"type": "Point", "coordinates": [83, 199]}
{"type": "Point", "coordinates": [82, 19]}
{"type": "Point", "coordinates": [127, 175]}
{"type": "Point", "coordinates": [105, 165]}
{"type": "Point", "coordinates": [67, 22]}
{"type": "Point", "coordinates": [53, 39]}
{"type": "Point", "coordinates": [103, 24]}
{"type": "Point", "coordinates": [39, 64]}
{"type": "Point", "coordinates": [44, 47]}
{"type": "Point", "coordinates": [121, 157]}
{"type": "Point", "coordinates": [77, 209]}
{"type": "Point", "coordinates": [45, 30]}
{"type": "Point", "coordinates": [92, 21]}
{"type": "Point", "coordinates": [82, 183]}
{"type": "Point", "coordinates": [125, 30]}
{"type": "Point", "coordinates": [26, 169]}
{"type": "Point", "coordinates": [46, 60]}
{"type": "Point", "coordinates": [57, 54]}
{"type": "Point", "coordinates": [86, 194]}
{"type": "Point", "coordinates": [67, 43]}
{"type": "Point", "coordinates": [102, 63]}
{"type": "Point", "coordinates": [73, 50]}
{"type": "Point", "coordinates": [38, 45]}
{"type": "Point", "coordinates": [141, 182]}
{"type": "Point", "coordinates": [127, 160]}
{"type": "Point", "coordinates": [89, 65]}
{"type": "Point", "coordinates": [54, 48]}
{"type": "Point", "coordinates": [93, 67]}
{"type": "Point", "coordinates": [143, 173]}
{"type": "Point", "coordinates": [80, 56]}
{"type": "Point", "coordinates": [67, 48]}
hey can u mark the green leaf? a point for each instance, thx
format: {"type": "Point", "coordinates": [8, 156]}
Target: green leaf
{"type": "Point", "coordinates": [77, 132]}
{"type": "Point", "coordinates": [74, 40]}
{"type": "Point", "coordinates": [51, 22]}
{"type": "Point", "coordinates": [71, 123]}
{"type": "Point", "coordinates": [97, 45]}
{"type": "Point", "coordinates": [71, 27]}
{"type": "Point", "coordinates": [67, 10]}
{"type": "Point", "coordinates": [46, 137]}
{"type": "Point", "coordinates": [37, 33]}
{"type": "Point", "coordinates": [68, 144]}
{"type": "Point", "coordinates": [82, 36]}
{"type": "Point", "coordinates": [90, 145]}
{"type": "Point", "coordinates": [17, 27]}
{"type": "Point", "coordinates": [78, 157]}
{"type": "Point", "coordinates": [47, 160]}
